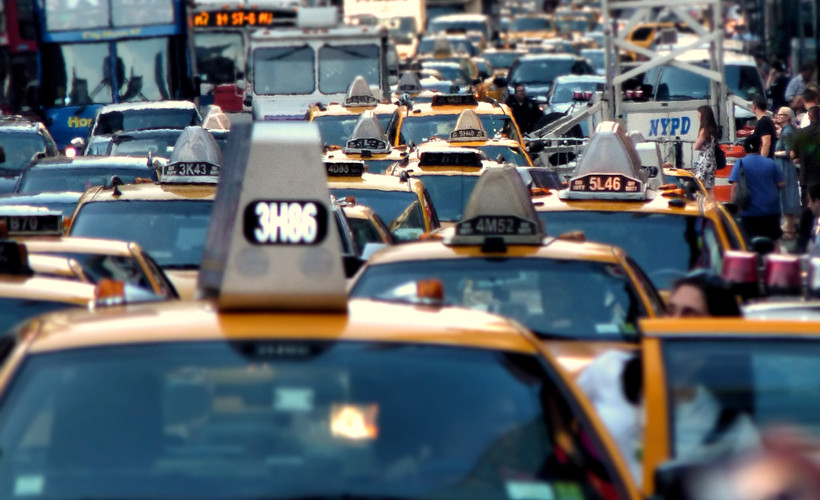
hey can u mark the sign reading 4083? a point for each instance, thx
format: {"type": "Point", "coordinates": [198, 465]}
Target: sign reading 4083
{"type": "Point", "coordinates": [285, 222]}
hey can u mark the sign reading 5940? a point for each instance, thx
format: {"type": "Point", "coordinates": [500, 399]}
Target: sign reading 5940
{"type": "Point", "coordinates": [279, 222]}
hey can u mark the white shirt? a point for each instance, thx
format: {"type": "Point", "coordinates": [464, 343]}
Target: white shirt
{"type": "Point", "coordinates": [601, 382]}
{"type": "Point", "coordinates": [795, 87]}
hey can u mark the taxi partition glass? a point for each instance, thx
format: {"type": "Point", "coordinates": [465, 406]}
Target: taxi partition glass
{"type": "Point", "coordinates": [690, 241]}
{"type": "Point", "coordinates": [553, 298]}
{"type": "Point", "coordinates": [723, 393]}
{"type": "Point", "coordinates": [172, 232]}
{"type": "Point", "coordinates": [420, 129]}
{"type": "Point", "coordinates": [264, 419]}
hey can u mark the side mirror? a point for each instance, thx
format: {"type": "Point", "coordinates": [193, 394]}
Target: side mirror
{"type": "Point", "coordinates": [762, 245]}
{"type": "Point", "coordinates": [351, 264]}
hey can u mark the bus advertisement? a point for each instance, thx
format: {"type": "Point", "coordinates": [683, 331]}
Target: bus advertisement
{"type": "Point", "coordinates": [96, 52]}
{"type": "Point", "coordinates": [222, 31]}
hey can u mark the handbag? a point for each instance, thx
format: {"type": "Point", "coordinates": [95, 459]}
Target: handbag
{"type": "Point", "coordinates": [742, 196]}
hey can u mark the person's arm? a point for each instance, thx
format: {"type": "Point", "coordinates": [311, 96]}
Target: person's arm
{"type": "Point", "coordinates": [700, 140]}
{"type": "Point", "coordinates": [765, 145]}
{"type": "Point", "coordinates": [791, 88]}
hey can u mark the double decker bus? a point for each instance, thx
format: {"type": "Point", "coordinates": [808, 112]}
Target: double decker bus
{"type": "Point", "coordinates": [95, 52]}
{"type": "Point", "coordinates": [222, 31]}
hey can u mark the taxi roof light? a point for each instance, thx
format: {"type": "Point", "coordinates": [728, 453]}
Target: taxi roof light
{"type": "Point", "coordinates": [196, 159]}
{"type": "Point", "coordinates": [609, 169]}
{"type": "Point", "coordinates": [468, 128]}
{"type": "Point", "coordinates": [359, 94]}
{"type": "Point", "coordinates": [782, 275]}
{"type": "Point", "coordinates": [271, 244]}
{"type": "Point", "coordinates": [368, 135]}
{"type": "Point", "coordinates": [499, 212]}
{"type": "Point", "coordinates": [409, 83]}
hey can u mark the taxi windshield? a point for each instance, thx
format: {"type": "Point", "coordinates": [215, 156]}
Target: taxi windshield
{"type": "Point", "coordinates": [219, 55]}
{"type": "Point", "coordinates": [337, 129]}
{"type": "Point", "coordinates": [501, 60]}
{"type": "Point", "coordinates": [400, 210]}
{"type": "Point", "coordinates": [249, 420]}
{"type": "Point", "coordinates": [512, 155]}
{"type": "Point", "coordinates": [161, 145]}
{"type": "Point", "coordinates": [686, 243]}
{"type": "Point", "coordinates": [15, 310]}
{"type": "Point", "coordinates": [38, 180]}
{"type": "Point", "coordinates": [555, 298]}
{"type": "Point", "coordinates": [449, 193]}
{"type": "Point", "coordinates": [172, 232]}
{"type": "Point", "coordinates": [19, 148]}
{"type": "Point", "coordinates": [723, 393]}
{"type": "Point", "coordinates": [421, 129]}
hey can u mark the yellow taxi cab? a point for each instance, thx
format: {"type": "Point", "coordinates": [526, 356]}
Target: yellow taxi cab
{"type": "Point", "coordinates": [470, 133]}
{"type": "Point", "coordinates": [579, 298]}
{"type": "Point", "coordinates": [369, 144]}
{"type": "Point", "coordinates": [169, 218]}
{"type": "Point", "coordinates": [337, 121]}
{"type": "Point", "coordinates": [402, 202]}
{"type": "Point", "coordinates": [272, 379]}
{"type": "Point", "coordinates": [367, 227]}
{"type": "Point", "coordinates": [645, 34]}
{"type": "Point", "coordinates": [88, 259]}
{"type": "Point", "coordinates": [449, 174]}
{"type": "Point", "coordinates": [529, 29]}
{"type": "Point", "coordinates": [666, 232]}
{"type": "Point", "coordinates": [26, 292]}
{"type": "Point", "coordinates": [745, 377]}
{"type": "Point", "coordinates": [438, 118]}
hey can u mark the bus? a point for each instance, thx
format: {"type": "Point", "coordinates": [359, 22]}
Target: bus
{"type": "Point", "coordinates": [96, 52]}
{"type": "Point", "coordinates": [222, 29]}
{"type": "Point", "coordinates": [18, 55]}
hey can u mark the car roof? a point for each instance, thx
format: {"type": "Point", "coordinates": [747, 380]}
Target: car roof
{"type": "Point", "coordinates": [132, 106]}
{"type": "Point", "coordinates": [65, 162]}
{"type": "Point", "coordinates": [150, 192]}
{"type": "Point", "coordinates": [418, 251]}
{"type": "Point", "coordinates": [659, 204]}
{"type": "Point", "coordinates": [727, 328]}
{"type": "Point", "coordinates": [77, 244]}
{"type": "Point", "coordinates": [41, 288]}
{"type": "Point", "coordinates": [579, 78]}
{"type": "Point", "coordinates": [197, 321]}
{"type": "Point", "coordinates": [377, 182]}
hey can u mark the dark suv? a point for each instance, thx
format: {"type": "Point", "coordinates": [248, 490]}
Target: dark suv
{"type": "Point", "coordinates": [538, 71]}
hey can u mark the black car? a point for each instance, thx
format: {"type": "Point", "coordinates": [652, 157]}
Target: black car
{"type": "Point", "coordinates": [537, 72]}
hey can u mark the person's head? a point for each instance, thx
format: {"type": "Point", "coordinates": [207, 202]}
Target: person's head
{"type": "Point", "coordinates": [807, 70]}
{"type": "Point", "coordinates": [814, 114]}
{"type": "Point", "coordinates": [702, 294]}
{"type": "Point", "coordinates": [814, 198]}
{"type": "Point", "coordinates": [707, 120]}
{"type": "Point", "coordinates": [751, 145]}
{"type": "Point", "coordinates": [809, 97]}
{"type": "Point", "coordinates": [520, 92]}
{"type": "Point", "coordinates": [779, 67]}
{"type": "Point", "coordinates": [759, 104]}
{"type": "Point", "coordinates": [784, 116]}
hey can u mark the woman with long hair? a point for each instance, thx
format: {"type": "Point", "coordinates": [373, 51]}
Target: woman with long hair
{"type": "Point", "coordinates": [705, 143]}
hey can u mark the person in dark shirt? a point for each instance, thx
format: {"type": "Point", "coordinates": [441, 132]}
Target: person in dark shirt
{"type": "Point", "coordinates": [806, 153]}
{"type": "Point", "coordinates": [776, 84]}
{"type": "Point", "coordinates": [764, 129]}
{"type": "Point", "coordinates": [525, 111]}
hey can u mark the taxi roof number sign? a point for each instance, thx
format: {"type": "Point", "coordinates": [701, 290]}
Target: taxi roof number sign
{"type": "Point", "coordinates": [468, 128]}
{"type": "Point", "coordinates": [38, 224]}
{"type": "Point", "coordinates": [499, 206]}
{"type": "Point", "coordinates": [359, 94]}
{"type": "Point", "coordinates": [609, 169]}
{"type": "Point", "coordinates": [271, 244]}
{"type": "Point", "coordinates": [196, 159]}
{"type": "Point", "coordinates": [344, 168]}
{"type": "Point", "coordinates": [190, 172]}
{"type": "Point", "coordinates": [454, 100]}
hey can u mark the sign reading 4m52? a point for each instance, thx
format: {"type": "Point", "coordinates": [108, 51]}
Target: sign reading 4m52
{"type": "Point", "coordinates": [280, 222]}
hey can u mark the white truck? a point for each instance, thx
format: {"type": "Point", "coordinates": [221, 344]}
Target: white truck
{"type": "Point", "coordinates": [291, 69]}
{"type": "Point", "coordinates": [404, 19]}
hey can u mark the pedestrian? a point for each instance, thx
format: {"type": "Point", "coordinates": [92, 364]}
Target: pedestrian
{"type": "Point", "coordinates": [798, 84]}
{"type": "Point", "coordinates": [813, 197]}
{"type": "Point", "coordinates": [702, 294]}
{"type": "Point", "coordinates": [525, 111]}
{"type": "Point", "coordinates": [790, 194]}
{"type": "Point", "coordinates": [776, 84]}
{"type": "Point", "coordinates": [764, 128]}
{"type": "Point", "coordinates": [705, 143]}
{"type": "Point", "coordinates": [762, 216]}
{"type": "Point", "coordinates": [805, 152]}
{"type": "Point", "coordinates": [809, 100]}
